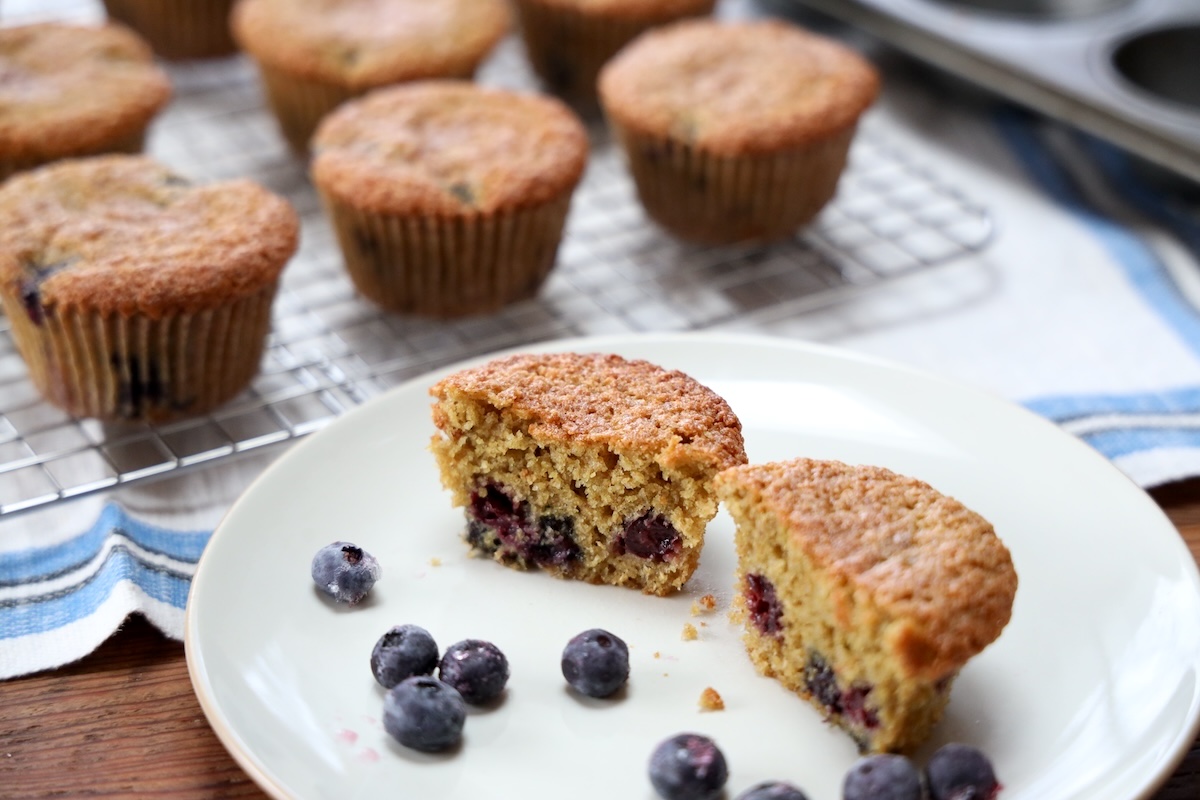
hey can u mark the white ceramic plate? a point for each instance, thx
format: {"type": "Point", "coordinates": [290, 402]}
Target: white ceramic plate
{"type": "Point", "coordinates": [1091, 691]}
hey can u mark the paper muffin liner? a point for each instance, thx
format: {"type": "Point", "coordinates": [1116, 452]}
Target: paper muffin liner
{"type": "Point", "coordinates": [137, 368]}
{"type": "Point", "coordinates": [178, 29]}
{"type": "Point", "coordinates": [448, 266]}
{"type": "Point", "coordinates": [299, 104]}
{"type": "Point", "coordinates": [133, 144]}
{"type": "Point", "coordinates": [567, 47]}
{"type": "Point", "coordinates": [715, 199]}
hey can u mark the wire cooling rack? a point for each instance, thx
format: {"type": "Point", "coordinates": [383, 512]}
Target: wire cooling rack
{"type": "Point", "coordinates": [331, 350]}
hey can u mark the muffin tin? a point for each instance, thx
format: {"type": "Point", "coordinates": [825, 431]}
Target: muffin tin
{"type": "Point", "coordinates": [1125, 70]}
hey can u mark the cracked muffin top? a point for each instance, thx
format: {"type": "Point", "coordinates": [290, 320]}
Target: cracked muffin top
{"type": "Point", "coordinates": [359, 44]}
{"type": "Point", "coordinates": [627, 405]}
{"type": "Point", "coordinates": [450, 148]}
{"type": "Point", "coordinates": [737, 88]}
{"type": "Point", "coordinates": [124, 234]}
{"type": "Point", "coordinates": [921, 556]}
{"type": "Point", "coordinates": [74, 89]}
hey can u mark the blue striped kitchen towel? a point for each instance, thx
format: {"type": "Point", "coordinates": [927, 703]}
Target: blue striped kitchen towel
{"type": "Point", "coordinates": [60, 601]}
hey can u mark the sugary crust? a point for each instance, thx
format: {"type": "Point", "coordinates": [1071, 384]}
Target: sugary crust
{"type": "Point", "coordinates": [625, 405]}
{"type": "Point", "coordinates": [122, 234]}
{"type": "Point", "coordinates": [640, 10]}
{"type": "Point", "coordinates": [74, 89]}
{"type": "Point", "coordinates": [931, 565]}
{"type": "Point", "coordinates": [359, 44]}
{"type": "Point", "coordinates": [449, 148]}
{"type": "Point", "coordinates": [737, 88]}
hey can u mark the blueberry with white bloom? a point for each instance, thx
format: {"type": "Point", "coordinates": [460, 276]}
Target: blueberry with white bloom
{"type": "Point", "coordinates": [476, 668]}
{"type": "Point", "coordinates": [344, 571]}
{"type": "Point", "coordinates": [688, 766]}
{"type": "Point", "coordinates": [596, 663]}
{"type": "Point", "coordinates": [404, 651]}
{"type": "Point", "coordinates": [961, 772]}
{"type": "Point", "coordinates": [773, 790]}
{"type": "Point", "coordinates": [425, 714]}
{"type": "Point", "coordinates": [882, 776]}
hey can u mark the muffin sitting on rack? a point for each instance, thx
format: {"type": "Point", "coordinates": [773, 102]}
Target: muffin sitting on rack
{"type": "Point", "coordinates": [74, 90]}
{"type": "Point", "coordinates": [178, 29]}
{"type": "Point", "coordinates": [735, 131]}
{"type": "Point", "coordinates": [448, 198]}
{"type": "Point", "coordinates": [568, 41]}
{"type": "Point", "coordinates": [315, 54]}
{"type": "Point", "coordinates": [133, 294]}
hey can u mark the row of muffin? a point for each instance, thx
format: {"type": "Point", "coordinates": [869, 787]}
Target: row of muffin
{"type": "Point", "coordinates": [134, 295]}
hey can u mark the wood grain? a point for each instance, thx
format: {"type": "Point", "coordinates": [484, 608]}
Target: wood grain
{"type": "Point", "coordinates": [124, 722]}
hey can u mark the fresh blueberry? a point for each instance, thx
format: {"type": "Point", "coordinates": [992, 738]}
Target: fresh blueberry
{"type": "Point", "coordinates": [882, 776]}
{"type": "Point", "coordinates": [423, 713]}
{"type": "Point", "coordinates": [596, 663]}
{"type": "Point", "coordinates": [960, 772]}
{"type": "Point", "coordinates": [344, 571]}
{"type": "Point", "coordinates": [477, 669]}
{"type": "Point", "coordinates": [404, 651]}
{"type": "Point", "coordinates": [688, 766]}
{"type": "Point", "coordinates": [773, 790]}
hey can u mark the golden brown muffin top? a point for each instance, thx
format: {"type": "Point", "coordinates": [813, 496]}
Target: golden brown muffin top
{"type": "Point", "coordinates": [68, 89]}
{"type": "Point", "coordinates": [628, 406]}
{"type": "Point", "coordinates": [449, 148]}
{"type": "Point", "coordinates": [737, 88]}
{"type": "Point", "coordinates": [924, 558]}
{"type": "Point", "coordinates": [629, 9]}
{"type": "Point", "coordinates": [123, 234]}
{"type": "Point", "coordinates": [359, 44]}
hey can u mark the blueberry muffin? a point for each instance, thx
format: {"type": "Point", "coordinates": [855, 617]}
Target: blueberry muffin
{"type": "Point", "coordinates": [448, 198]}
{"type": "Point", "coordinates": [588, 466]}
{"type": "Point", "coordinates": [864, 591]}
{"type": "Point", "coordinates": [315, 54]}
{"type": "Point", "coordinates": [178, 29]}
{"type": "Point", "coordinates": [735, 132]}
{"type": "Point", "coordinates": [74, 90]}
{"type": "Point", "coordinates": [568, 41]}
{"type": "Point", "coordinates": [134, 294]}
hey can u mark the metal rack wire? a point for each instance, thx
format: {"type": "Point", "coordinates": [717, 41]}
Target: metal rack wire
{"type": "Point", "coordinates": [331, 350]}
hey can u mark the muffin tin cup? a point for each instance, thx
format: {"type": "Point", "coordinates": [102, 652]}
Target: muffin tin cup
{"type": "Point", "coordinates": [567, 47]}
{"type": "Point", "coordinates": [138, 368]}
{"type": "Point", "coordinates": [448, 266]}
{"type": "Point", "coordinates": [1123, 70]}
{"type": "Point", "coordinates": [715, 199]}
{"type": "Point", "coordinates": [178, 29]}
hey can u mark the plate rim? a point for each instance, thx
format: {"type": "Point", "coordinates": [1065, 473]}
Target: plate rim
{"type": "Point", "coordinates": [236, 747]}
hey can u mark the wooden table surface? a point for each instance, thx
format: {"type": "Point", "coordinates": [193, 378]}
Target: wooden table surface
{"type": "Point", "coordinates": [124, 720]}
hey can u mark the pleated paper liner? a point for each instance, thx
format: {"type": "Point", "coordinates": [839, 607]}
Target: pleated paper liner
{"type": "Point", "coordinates": [178, 29]}
{"type": "Point", "coordinates": [448, 266]}
{"type": "Point", "coordinates": [137, 368]}
{"type": "Point", "coordinates": [299, 104]}
{"type": "Point", "coordinates": [715, 199]}
{"type": "Point", "coordinates": [567, 47]}
{"type": "Point", "coordinates": [133, 144]}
